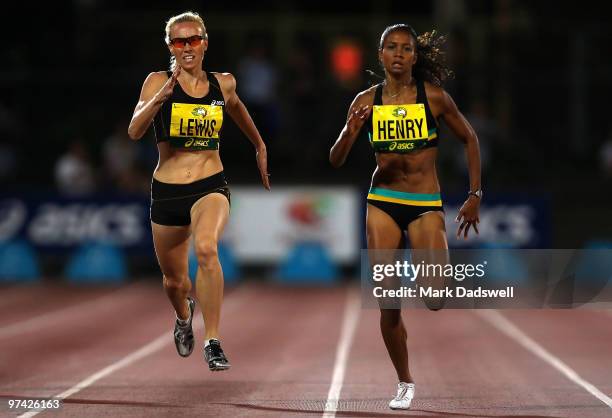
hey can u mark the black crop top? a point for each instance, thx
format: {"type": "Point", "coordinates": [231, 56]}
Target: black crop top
{"type": "Point", "coordinates": [402, 128]}
{"type": "Point", "coordinates": [191, 123]}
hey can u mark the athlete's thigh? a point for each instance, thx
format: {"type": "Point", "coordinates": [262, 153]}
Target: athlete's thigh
{"type": "Point", "coordinates": [172, 249]}
{"type": "Point", "coordinates": [384, 242]}
{"type": "Point", "coordinates": [381, 230]}
{"type": "Point", "coordinates": [209, 216]}
{"type": "Point", "coordinates": [428, 231]}
{"type": "Point", "coordinates": [428, 242]}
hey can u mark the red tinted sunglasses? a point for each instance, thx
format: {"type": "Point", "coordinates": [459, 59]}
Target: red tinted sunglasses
{"type": "Point", "coordinates": [193, 41]}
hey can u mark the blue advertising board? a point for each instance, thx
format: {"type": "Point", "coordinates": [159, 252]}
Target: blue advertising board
{"type": "Point", "coordinates": [56, 224]}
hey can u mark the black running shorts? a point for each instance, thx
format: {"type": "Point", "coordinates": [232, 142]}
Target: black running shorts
{"type": "Point", "coordinates": [171, 203]}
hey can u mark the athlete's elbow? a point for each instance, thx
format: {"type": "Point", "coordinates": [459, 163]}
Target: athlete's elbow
{"type": "Point", "coordinates": [473, 139]}
{"type": "Point", "coordinates": [468, 138]}
{"type": "Point", "coordinates": [335, 160]}
{"type": "Point", "coordinates": [134, 134]}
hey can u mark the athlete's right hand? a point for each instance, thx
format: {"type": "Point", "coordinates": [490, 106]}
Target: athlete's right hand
{"type": "Point", "coordinates": [357, 118]}
{"type": "Point", "coordinates": [168, 88]}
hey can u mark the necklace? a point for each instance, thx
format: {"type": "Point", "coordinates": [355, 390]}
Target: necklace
{"type": "Point", "coordinates": [391, 96]}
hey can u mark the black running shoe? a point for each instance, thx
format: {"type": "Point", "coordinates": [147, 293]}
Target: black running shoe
{"type": "Point", "coordinates": [183, 335]}
{"type": "Point", "coordinates": [213, 354]}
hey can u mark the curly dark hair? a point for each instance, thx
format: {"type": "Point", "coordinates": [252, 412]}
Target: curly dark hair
{"type": "Point", "coordinates": [431, 61]}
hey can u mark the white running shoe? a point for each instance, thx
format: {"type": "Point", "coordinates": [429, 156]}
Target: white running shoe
{"type": "Point", "coordinates": [405, 393]}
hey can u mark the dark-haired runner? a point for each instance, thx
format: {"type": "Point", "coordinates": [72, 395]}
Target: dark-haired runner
{"type": "Point", "coordinates": [402, 116]}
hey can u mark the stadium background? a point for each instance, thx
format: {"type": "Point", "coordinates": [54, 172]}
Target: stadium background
{"type": "Point", "coordinates": [532, 79]}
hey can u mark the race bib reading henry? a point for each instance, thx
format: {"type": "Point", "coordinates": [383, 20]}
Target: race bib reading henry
{"type": "Point", "coordinates": [399, 122]}
{"type": "Point", "coordinates": [195, 126]}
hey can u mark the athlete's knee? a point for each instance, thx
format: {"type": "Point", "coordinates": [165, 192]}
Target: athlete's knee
{"type": "Point", "coordinates": [434, 304]}
{"type": "Point", "coordinates": [206, 252]}
{"type": "Point", "coordinates": [176, 281]}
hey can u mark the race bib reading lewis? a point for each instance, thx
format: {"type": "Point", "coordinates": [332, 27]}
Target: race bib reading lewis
{"type": "Point", "coordinates": [195, 126]}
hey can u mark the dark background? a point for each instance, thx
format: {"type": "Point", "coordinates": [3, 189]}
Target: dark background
{"type": "Point", "coordinates": [532, 77]}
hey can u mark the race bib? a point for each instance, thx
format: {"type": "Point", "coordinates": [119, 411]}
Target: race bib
{"type": "Point", "coordinates": [195, 120]}
{"type": "Point", "coordinates": [405, 122]}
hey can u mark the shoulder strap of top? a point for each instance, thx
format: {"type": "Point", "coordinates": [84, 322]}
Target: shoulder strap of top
{"type": "Point", "coordinates": [421, 94]}
{"type": "Point", "coordinates": [378, 95]}
{"type": "Point", "coordinates": [422, 98]}
{"type": "Point", "coordinates": [212, 79]}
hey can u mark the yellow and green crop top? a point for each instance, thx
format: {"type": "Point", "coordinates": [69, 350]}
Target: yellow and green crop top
{"type": "Point", "coordinates": [402, 128]}
{"type": "Point", "coordinates": [191, 123]}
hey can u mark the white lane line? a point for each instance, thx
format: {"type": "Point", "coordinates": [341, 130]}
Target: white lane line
{"type": "Point", "coordinates": [507, 327]}
{"type": "Point", "coordinates": [139, 354]}
{"type": "Point", "coordinates": [349, 324]}
{"type": "Point", "coordinates": [75, 311]}
{"type": "Point", "coordinates": [148, 349]}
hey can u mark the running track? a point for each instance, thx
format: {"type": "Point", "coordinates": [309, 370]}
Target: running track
{"type": "Point", "coordinates": [309, 352]}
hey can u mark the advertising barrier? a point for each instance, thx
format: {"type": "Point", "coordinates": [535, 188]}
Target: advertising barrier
{"type": "Point", "coordinates": [264, 226]}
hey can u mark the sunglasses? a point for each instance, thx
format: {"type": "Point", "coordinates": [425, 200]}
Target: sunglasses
{"type": "Point", "coordinates": [193, 41]}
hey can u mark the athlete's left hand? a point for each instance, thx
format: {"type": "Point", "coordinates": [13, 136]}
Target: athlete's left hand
{"type": "Point", "coordinates": [262, 164]}
{"type": "Point", "coordinates": [468, 216]}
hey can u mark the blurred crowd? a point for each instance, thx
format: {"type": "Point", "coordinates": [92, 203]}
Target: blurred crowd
{"type": "Point", "coordinates": [289, 78]}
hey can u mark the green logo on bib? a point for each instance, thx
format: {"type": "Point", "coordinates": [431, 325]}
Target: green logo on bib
{"type": "Point", "coordinates": [399, 112]}
{"type": "Point", "coordinates": [199, 111]}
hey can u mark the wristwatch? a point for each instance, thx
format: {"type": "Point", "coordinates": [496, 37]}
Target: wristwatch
{"type": "Point", "coordinates": [477, 193]}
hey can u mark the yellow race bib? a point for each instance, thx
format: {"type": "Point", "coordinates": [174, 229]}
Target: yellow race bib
{"type": "Point", "coordinates": [405, 122]}
{"type": "Point", "coordinates": [195, 126]}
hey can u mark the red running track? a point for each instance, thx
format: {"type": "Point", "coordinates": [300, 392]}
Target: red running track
{"type": "Point", "coordinates": [283, 346]}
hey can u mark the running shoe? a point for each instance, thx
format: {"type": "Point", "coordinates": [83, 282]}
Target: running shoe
{"type": "Point", "coordinates": [405, 393]}
{"type": "Point", "coordinates": [183, 334]}
{"type": "Point", "coordinates": [213, 354]}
